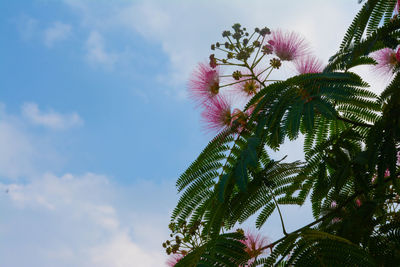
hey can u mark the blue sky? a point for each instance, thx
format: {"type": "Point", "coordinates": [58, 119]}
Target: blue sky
{"type": "Point", "coordinates": [95, 126]}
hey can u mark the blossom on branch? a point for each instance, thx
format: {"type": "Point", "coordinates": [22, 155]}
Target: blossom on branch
{"type": "Point", "coordinates": [387, 60]}
{"type": "Point", "coordinates": [254, 243]}
{"type": "Point", "coordinates": [309, 64]}
{"type": "Point", "coordinates": [288, 45]}
{"type": "Point", "coordinates": [217, 114]}
{"type": "Point", "coordinates": [204, 84]}
{"type": "Point", "coordinates": [173, 260]}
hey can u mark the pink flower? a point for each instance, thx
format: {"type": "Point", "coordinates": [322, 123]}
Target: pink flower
{"type": "Point", "coordinates": [358, 202]}
{"type": "Point", "coordinates": [386, 59]}
{"type": "Point", "coordinates": [254, 243]}
{"type": "Point", "coordinates": [373, 179]}
{"type": "Point", "coordinates": [217, 114]}
{"type": "Point", "coordinates": [288, 45]}
{"type": "Point", "coordinates": [204, 84]}
{"type": "Point", "coordinates": [173, 259]}
{"type": "Point", "coordinates": [398, 158]}
{"type": "Point", "coordinates": [309, 64]}
{"type": "Point", "coordinates": [333, 204]}
{"type": "Point", "coordinates": [387, 173]}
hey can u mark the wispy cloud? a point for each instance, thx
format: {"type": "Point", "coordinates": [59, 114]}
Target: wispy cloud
{"type": "Point", "coordinates": [24, 154]}
{"type": "Point", "coordinates": [57, 32]}
{"type": "Point", "coordinates": [97, 55]}
{"type": "Point", "coordinates": [50, 119]}
{"type": "Point", "coordinates": [16, 158]}
{"type": "Point", "coordinates": [27, 26]}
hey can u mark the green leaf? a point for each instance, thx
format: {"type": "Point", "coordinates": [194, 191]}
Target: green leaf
{"type": "Point", "coordinates": [222, 186]}
{"type": "Point", "coordinates": [325, 108]}
{"type": "Point", "coordinates": [309, 116]}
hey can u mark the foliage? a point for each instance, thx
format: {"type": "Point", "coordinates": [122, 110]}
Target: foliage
{"type": "Point", "coordinates": [351, 149]}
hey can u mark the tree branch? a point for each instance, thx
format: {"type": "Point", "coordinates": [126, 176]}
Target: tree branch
{"type": "Point", "coordinates": [353, 196]}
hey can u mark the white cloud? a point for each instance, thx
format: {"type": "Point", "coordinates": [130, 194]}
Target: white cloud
{"type": "Point", "coordinates": [50, 119]}
{"type": "Point", "coordinates": [120, 251]}
{"type": "Point", "coordinates": [23, 154]}
{"type": "Point", "coordinates": [58, 31]}
{"type": "Point", "coordinates": [73, 220]}
{"type": "Point", "coordinates": [27, 26]}
{"type": "Point", "coordinates": [96, 52]}
{"type": "Point", "coordinates": [76, 219]}
{"type": "Point", "coordinates": [17, 151]}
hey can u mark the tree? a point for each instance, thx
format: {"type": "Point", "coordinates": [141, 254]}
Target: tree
{"type": "Point", "coordinates": [352, 150]}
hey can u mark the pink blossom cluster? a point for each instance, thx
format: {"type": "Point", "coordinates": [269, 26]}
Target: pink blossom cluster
{"type": "Point", "coordinates": [206, 86]}
{"type": "Point", "coordinates": [387, 172]}
{"type": "Point", "coordinates": [288, 45]}
{"type": "Point", "coordinates": [254, 242]}
{"type": "Point", "coordinates": [387, 60]}
{"type": "Point", "coordinates": [174, 259]}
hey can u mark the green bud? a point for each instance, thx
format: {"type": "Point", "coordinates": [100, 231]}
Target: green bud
{"type": "Point", "coordinates": [237, 75]}
{"type": "Point", "coordinates": [275, 63]}
{"type": "Point", "coordinates": [256, 43]}
{"type": "Point", "coordinates": [226, 33]}
{"type": "Point", "coordinates": [237, 35]}
{"type": "Point", "coordinates": [264, 31]}
{"type": "Point", "coordinates": [236, 27]}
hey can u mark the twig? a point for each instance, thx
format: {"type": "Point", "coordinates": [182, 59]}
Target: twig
{"type": "Point", "coordinates": [279, 211]}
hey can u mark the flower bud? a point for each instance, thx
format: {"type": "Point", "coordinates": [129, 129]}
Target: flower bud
{"type": "Point", "coordinates": [237, 75]}
{"type": "Point", "coordinates": [256, 43]}
{"type": "Point", "coordinates": [264, 31]}
{"type": "Point", "coordinates": [275, 63]}
{"type": "Point", "coordinates": [226, 33]}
